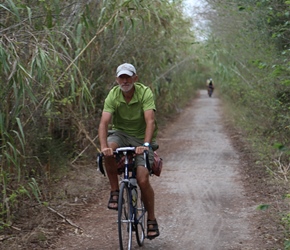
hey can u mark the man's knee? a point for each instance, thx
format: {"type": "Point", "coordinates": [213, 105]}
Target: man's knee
{"type": "Point", "coordinates": [142, 176]}
{"type": "Point", "coordinates": [143, 182]}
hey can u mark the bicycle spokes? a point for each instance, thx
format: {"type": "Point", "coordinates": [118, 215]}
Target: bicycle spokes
{"type": "Point", "coordinates": [124, 220]}
{"type": "Point", "coordinates": [140, 221]}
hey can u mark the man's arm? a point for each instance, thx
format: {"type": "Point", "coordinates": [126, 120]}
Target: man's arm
{"type": "Point", "coordinates": [103, 129]}
{"type": "Point", "coordinates": [149, 116]}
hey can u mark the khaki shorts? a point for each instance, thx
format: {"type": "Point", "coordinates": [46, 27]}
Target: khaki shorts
{"type": "Point", "coordinates": [124, 140]}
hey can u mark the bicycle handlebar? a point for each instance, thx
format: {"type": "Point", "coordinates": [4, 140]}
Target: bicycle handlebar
{"type": "Point", "coordinates": [125, 149]}
{"type": "Point", "coordinates": [120, 150]}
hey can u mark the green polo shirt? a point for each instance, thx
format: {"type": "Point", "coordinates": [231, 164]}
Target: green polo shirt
{"type": "Point", "coordinates": [129, 117]}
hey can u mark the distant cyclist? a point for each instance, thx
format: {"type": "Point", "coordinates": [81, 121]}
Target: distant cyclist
{"type": "Point", "coordinates": [210, 86]}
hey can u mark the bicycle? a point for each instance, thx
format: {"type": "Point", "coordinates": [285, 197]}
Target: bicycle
{"type": "Point", "coordinates": [131, 210]}
{"type": "Point", "coordinates": [210, 91]}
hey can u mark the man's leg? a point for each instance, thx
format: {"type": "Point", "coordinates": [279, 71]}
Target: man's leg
{"type": "Point", "coordinates": [112, 173]}
{"type": "Point", "coordinates": [147, 193]}
{"type": "Point", "coordinates": [146, 190]}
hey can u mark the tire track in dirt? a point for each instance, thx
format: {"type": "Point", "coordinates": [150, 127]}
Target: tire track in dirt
{"type": "Point", "coordinates": [200, 200]}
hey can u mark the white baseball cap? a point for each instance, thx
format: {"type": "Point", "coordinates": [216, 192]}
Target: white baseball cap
{"type": "Point", "coordinates": [126, 69]}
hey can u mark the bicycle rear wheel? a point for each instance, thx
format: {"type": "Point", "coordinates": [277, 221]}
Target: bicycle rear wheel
{"type": "Point", "coordinates": [140, 220]}
{"type": "Point", "coordinates": [210, 91]}
{"type": "Point", "coordinates": [124, 218]}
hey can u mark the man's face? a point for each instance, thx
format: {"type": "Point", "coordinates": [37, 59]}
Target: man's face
{"type": "Point", "coordinates": [126, 82]}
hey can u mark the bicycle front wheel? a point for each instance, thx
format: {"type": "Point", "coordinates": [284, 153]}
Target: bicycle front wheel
{"type": "Point", "coordinates": [124, 218]}
{"type": "Point", "coordinates": [140, 220]}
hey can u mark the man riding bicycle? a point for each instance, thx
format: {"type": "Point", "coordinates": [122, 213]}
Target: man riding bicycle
{"type": "Point", "coordinates": [131, 109]}
{"type": "Point", "coordinates": [210, 86]}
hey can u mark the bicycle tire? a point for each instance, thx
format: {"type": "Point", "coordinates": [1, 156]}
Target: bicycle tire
{"type": "Point", "coordinates": [140, 220]}
{"type": "Point", "coordinates": [210, 91]}
{"type": "Point", "coordinates": [124, 218]}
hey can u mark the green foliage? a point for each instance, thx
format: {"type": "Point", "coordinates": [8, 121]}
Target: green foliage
{"type": "Point", "coordinates": [281, 147]}
{"type": "Point", "coordinates": [35, 189]}
{"type": "Point", "coordinates": [263, 207]}
{"type": "Point", "coordinates": [10, 200]}
{"type": "Point", "coordinates": [287, 244]}
{"type": "Point", "coordinates": [286, 222]}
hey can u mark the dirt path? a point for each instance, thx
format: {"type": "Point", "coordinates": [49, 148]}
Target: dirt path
{"type": "Point", "coordinates": [200, 199]}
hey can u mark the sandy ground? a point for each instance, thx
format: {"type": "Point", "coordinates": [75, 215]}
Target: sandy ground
{"type": "Point", "coordinates": [201, 202]}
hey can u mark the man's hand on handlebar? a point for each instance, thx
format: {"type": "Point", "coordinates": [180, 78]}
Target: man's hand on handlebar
{"type": "Point", "coordinates": [140, 150]}
{"type": "Point", "coordinates": [107, 151]}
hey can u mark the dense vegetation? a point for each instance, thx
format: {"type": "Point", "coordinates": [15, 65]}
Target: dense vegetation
{"type": "Point", "coordinates": [57, 63]}
{"type": "Point", "coordinates": [249, 44]}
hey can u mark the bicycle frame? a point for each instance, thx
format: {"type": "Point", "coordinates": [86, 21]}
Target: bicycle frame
{"type": "Point", "coordinates": [127, 182]}
{"type": "Point", "coordinates": [133, 220]}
